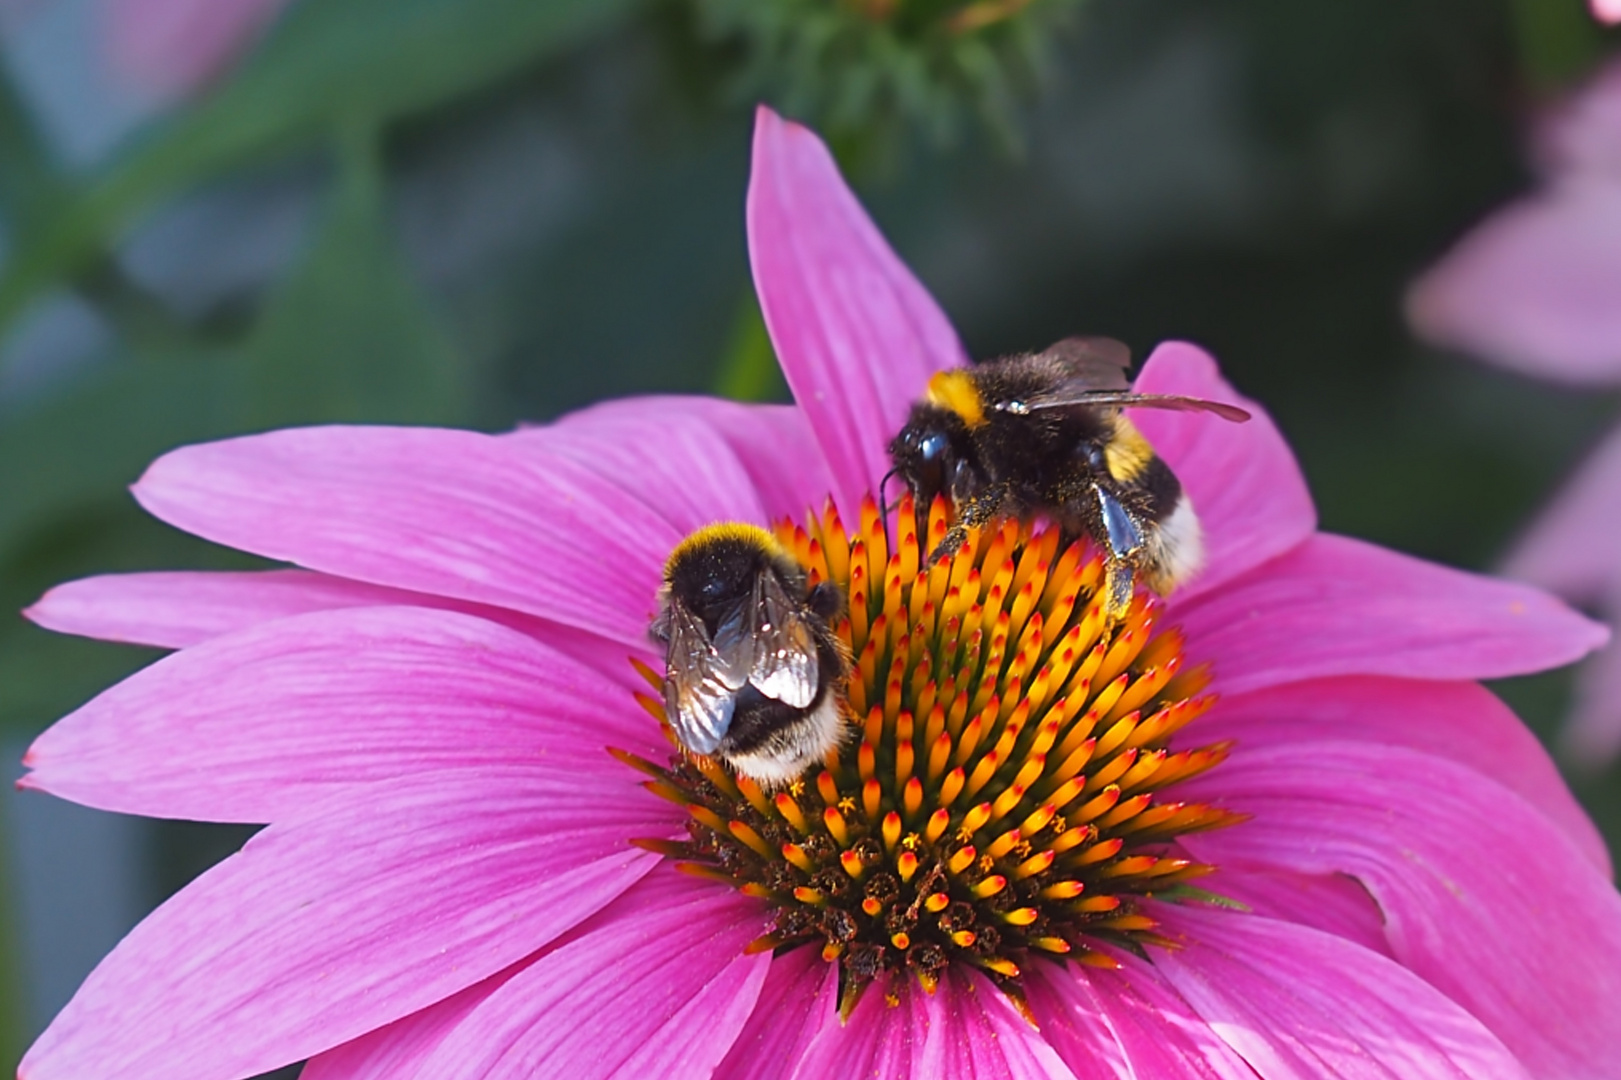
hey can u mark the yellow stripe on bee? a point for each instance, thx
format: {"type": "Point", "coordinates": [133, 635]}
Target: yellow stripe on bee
{"type": "Point", "coordinates": [1127, 453]}
{"type": "Point", "coordinates": [739, 531]}
{"type": "Point", "coordinates": [956, 392]}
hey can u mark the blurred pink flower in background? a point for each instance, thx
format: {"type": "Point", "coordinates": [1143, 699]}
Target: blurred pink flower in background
{"type": "Point", "coordinates": [1607, 10]}
{"type": "Point", "coordinates": [445, 888]}
{"type": "Point", "coordinates": [1537, 289]}
{"type": "Point", "coordinates": [171, 48]}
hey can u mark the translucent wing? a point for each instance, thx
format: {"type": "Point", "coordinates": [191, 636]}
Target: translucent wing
{"type": "Point", "coordinates": [1078, 395]}
{"type": "Point", "coordinates": [1096, 375]}
{"type": "Point", "coordinates": [1098, 363]}
{"type": "Point", "coordinates": [785, 666]}
{"type": "Point", "coordinates": [701, 678]}
{"type": "Point", "coordinates": [1169, 401]}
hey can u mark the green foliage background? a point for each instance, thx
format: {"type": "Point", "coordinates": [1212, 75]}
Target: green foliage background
{"type": "Point", "coordinates": [1262, 176]}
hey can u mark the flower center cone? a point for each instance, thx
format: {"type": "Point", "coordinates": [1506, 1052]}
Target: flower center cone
{"type": "Point", "coordinates": [1002, 795]}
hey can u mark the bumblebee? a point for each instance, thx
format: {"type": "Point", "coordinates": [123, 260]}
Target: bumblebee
{"type": "Point", "coordinates": [753, 670]}
{"type": "Point", "coordinates": [1043, 434]}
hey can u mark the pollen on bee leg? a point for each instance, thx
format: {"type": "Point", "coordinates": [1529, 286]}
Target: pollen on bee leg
{"type": "Point", "coordinates": [1007, 793]}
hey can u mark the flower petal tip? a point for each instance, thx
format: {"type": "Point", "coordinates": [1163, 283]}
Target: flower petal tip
{"type": "Point", "coordinates": [1582, 634]}
{"type": "Point", "coordinates": [38, 612]}
{"type": "Point", "coordinates": [772, 129]}
{"type": "Point", "coordinates": [1187, 356]}
{"type": "Point", "coordinates": [1599, 634]}
{"type": "Point", "coordinates": [1188, 362]}
{"type": "Point", "coordinates": [147, 488]}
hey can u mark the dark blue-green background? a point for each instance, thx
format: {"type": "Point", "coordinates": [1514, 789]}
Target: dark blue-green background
{"type": "Point", "coordinates": [478, 211]}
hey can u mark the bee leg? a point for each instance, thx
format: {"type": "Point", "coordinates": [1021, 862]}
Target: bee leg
{"type": "Point", "coordinates": [1119, 580]}
{"type": "Point", "coordinates": [972, 512]}
{"type": "Point", "coordinates": [825, 600]}
{"type": "Point", "coordinates": [948, 547]}
{"type": "Point", "coordinates": [1125, 542]}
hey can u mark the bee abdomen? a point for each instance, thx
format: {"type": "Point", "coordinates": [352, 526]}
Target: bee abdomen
{"type": "Point", "coordinates": [1161, 490]}
{"type": "Point", "coordinates": [1174, 547]}
{"type": "Point", "coordinates": [1127, 455]}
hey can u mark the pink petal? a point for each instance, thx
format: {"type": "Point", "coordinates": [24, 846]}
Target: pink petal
{"type": "Point", "coordinates": [774, 443]}
{"type": "Point", "coordinates": [1298, 1003]}
{"type": "Point", "coordinates": [178, 609]}
{"type": "Point", "coordinates": [1568, 548]}
{"type": "Point", "coordinates": [1608, 11]}
{"type": "Point", "coordinates": [1242, 479]}
{"type": "Point", "coordinates": [185, 608]}
{"type": "Point", "coordinates": [372, 905]}
{"type": "Point", "coordinates": [173, 46]}
{"type": "Point", "coordinates": [1582, 135]}
{"type": "Point", "coordinates": [252, 726]}
{"type": "Point", "coordinates": [857, 335]}
{"type": "Point", "coordinates": [1482, 897]}
{"type": "Point", "coordinates": [799, 998]}
{"type": "Point", "coordinates": [1592, 736]}
{"type": "Point", "coordinates": [1537, 288]}
{"type": "Point", "coordinates": [1457, 720]}
{"type": "Point", "coordinates": [1336, 606]}
{"type": "Point", "coordinates": [1333, 903]}
{"type": "Point", "coordinates": [966, 1030]}
{"type": "Point", "coordinates": [670, 459]}
{"type": "Point", "coordinates": [470, 516]}
{"type": "Point", "coordinates": [1107, 1025]}
{"type": "Point", "coordinates": [657, 985]}
{"type": "Point", "coordinates": [397, 1051]}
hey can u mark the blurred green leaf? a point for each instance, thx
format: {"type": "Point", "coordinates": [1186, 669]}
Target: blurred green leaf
{"type": "Point", "coordinates": [44, 675]}
{"type": "Point", "coordinates": [13, 1025]}
{"type": "Point", "coordinates": [85, 446]}
{"type": "Point", "coordinates": [1559, 41]}
{"type": "Point", "coordinates": [28, 179]}
{"type": "Point", "coordinates": [348, 337]}
{"type": "Point", "coordinates": [327, 63]}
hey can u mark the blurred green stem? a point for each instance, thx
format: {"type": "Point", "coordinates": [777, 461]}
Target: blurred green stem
{"type": "Point", "coordinates": [29, 184]}
{"type": "Point", "coordinates": [748, 368]}
{"type": "Point", "coordinates": [358, 149]}
{"type": "Point", "coordinates": [32, 191]}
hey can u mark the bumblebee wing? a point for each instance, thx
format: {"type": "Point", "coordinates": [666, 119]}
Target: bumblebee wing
{"type": "Point", "coordinates": [1079, 395]}
{"type": "Point", "coordinates": [701, 679]}
{"type": "Point", "coordinates": [1173, 401]}
{"type": "Point", "coordinates": [785, 665]}
{"type": "Point", "coordinates": [1096, 363]}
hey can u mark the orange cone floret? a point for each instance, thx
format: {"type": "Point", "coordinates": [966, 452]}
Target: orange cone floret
{"type": "Point", "coordinates": [1003, 793]}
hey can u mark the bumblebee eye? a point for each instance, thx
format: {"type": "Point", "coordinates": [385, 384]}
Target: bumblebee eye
{"type": "Point", "coordinates": [928, 475]}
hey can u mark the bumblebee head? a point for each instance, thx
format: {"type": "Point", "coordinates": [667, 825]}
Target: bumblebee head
{"type": "Point", "coordinates": [930, 450]}
{"type": "Point", "coordinates": [713, 570]}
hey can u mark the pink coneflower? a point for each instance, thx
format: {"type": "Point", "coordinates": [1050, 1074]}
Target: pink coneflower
{"type": "Point", "coordinates": [1536, 288]}
{"type": "Point", "coordinates": [993, 879]}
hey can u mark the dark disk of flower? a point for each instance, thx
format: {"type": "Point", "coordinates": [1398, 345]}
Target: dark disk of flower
{"type": "Point", "coordinates": [1002, 794]}
{"type": "Point", "coordinates": [857, 66]}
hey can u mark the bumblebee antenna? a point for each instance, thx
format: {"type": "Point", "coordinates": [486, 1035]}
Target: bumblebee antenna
{"type": "Point", "coordinates": [883, 503]}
